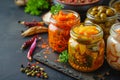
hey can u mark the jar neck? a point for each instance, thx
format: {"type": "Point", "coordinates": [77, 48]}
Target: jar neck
{"type": "Point", "coordinates": [93, 38]}
{"type": "Point", "coordinates": [52, 20]}
{"type": "Point", "coordinates": [91, 17]}
{"type": "Point", "coordinates": [113, 29]}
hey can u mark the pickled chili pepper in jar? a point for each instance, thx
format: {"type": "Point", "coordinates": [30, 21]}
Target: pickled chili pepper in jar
{"type": "Point", "coordinates": [59, 29]}
{"type": "Point", "coordinates": [104, 16]}
{"type": "Point", "coordinates": [113, 47]}
{"type": "Point", "coordinates": [86, 47]}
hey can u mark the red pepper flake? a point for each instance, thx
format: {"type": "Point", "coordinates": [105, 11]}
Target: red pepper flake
{"type": "Point", "coordinates": [44, 45]}
{"type": "Point", "coordinates": [37, 63]}
{"type": "Point", "coordinates": [57, 60]}
{"type": "Point", "coordinates": [45, 57]}
{"type": "Point", "coordinates": [38, 74]}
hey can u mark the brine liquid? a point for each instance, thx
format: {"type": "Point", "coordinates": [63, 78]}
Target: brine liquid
{"type": "Point", "coordinates": [84, 57]}
{"type": "Point", "coordinates": [113, 51]}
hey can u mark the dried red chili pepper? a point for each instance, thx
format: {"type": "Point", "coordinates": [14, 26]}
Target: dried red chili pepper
{"type": "Point", "coordinates": [82, 1]}
{"type": "Point", "coordinates": [31, 24]}
{"type": "Point", "coordinates": [90, 0]}
{"type": "Point", "coordinates": [75, 1]}
{"type": "Point", "coordinates": [32, 48]}
{"type": "Point", "coordinates": [28, 42]}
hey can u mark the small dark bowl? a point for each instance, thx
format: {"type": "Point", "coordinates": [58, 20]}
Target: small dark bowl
{"type": "Point", "coordinates": [80, 8]}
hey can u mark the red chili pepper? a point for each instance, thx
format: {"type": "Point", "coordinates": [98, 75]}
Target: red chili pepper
{"type": "Point", "coordinates": [31, 24]}
{"type": "Point", "coordinates": [82, 1]}
{"type": "Point", "coordinates": [90, 0]}
{"type": "Point", "coordinates": [32, 48]}
{"type": "Point", "coordinates": [75, 1]}
{"type": "Point", "coordinates": [28, 42]}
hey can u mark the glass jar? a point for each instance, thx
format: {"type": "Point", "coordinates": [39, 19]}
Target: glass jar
{"type": "Point", "coordinates": [113, 47]}
{"type": "Point", "coordinates": [116, 5]}
{"type": "Point", "coordinates": [86, 52]}
{"type": "Point", "coordinates": [104, 16]}
{"type": "Point", "coordinates": [59, 29]}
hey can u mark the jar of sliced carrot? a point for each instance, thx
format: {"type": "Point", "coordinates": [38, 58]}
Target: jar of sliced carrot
{"type": "Point", "coordinates": [113, 47]}
{"type": "Point", "coordinates": [59, 29]}
{"type": "Point", "coordinates": [86, 47]}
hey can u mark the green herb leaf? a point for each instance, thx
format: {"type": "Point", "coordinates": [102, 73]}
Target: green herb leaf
{"type": "Point", "coordinates": [63, 57]}
{"type": "Point", "coordinates": [35, 7]}
{"type": "Point", "coordinates": [56, 8]}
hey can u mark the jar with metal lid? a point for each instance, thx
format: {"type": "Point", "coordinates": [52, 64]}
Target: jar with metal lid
{"type": "Point", "coordinates": [86, 47]}
{"type": "Point", "coordinates": [104, 16]}
{"type": "Point", "coordinates": [59, 29]}
{"type": "Point", "coordinates": [113, 47]}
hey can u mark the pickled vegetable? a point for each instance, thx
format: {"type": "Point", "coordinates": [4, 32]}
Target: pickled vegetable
{"type": "Point", "coordinates": [113, 47]}
{"type": "Point", "coordinates": [86, 48]}
{"type": "Point", "coordinates": [59, 29]}
{"type": "Point", "coordinates": [86, 33]}
{"type": "Point", "coordinates": [104, 16]}
{"type": "Point", "coordinates": [116, 5]}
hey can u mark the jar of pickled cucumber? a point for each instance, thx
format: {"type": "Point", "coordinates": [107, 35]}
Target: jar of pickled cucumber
{"type": "Point", "coordinates": [59, 29]}
{"type": "Point", "coordinates": [86, 47]}
{"type": "Point", "coordinates": [104, 16]}
{"type": "Point", "coordinates": [113, 47]}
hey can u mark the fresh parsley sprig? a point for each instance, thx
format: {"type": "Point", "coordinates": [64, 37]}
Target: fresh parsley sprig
{"type": "Point", "coordinates": [35, 7]}
{"type": "Point", "coordinates": [56, 8]}
{"type": "Point", "coordinates": [63, 57]}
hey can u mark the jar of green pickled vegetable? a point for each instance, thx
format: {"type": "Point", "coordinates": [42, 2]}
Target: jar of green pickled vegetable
{"type": "Point", "coordinates": [104, 16]}
{"type": "Point", "coordinates": [86, 47]}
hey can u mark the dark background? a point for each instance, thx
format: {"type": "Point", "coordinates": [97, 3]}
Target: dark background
{"type": "Point", "coordinates": [11, 56]}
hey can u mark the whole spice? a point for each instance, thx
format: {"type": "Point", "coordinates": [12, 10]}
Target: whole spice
{"type": "Point", "coordinates": [34, 70]}
{"type": "Point", "coordinates": [21, 2]}
{"type": "Point", "coordinates": [34, 30]}
{"type": "Point", "coordinates": [28, 42]}
{"type": "Point", "coordinates": [30, 52]}
{"type": "Point", "coordinates": [31, 24]}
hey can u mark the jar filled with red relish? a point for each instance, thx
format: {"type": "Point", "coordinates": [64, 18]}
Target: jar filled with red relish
{"type": "Point", "coordinates": [59, 29]}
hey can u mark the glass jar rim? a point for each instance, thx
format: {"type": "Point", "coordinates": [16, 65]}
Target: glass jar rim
{"type": "Point", "coordinates": [112, 2]}
{"type": "Point", "coordinates": [93, 17]}
{"type": "Point", "coordinates": [76, 14]}
{"type": "Point", "coordinates": [114, 27]}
